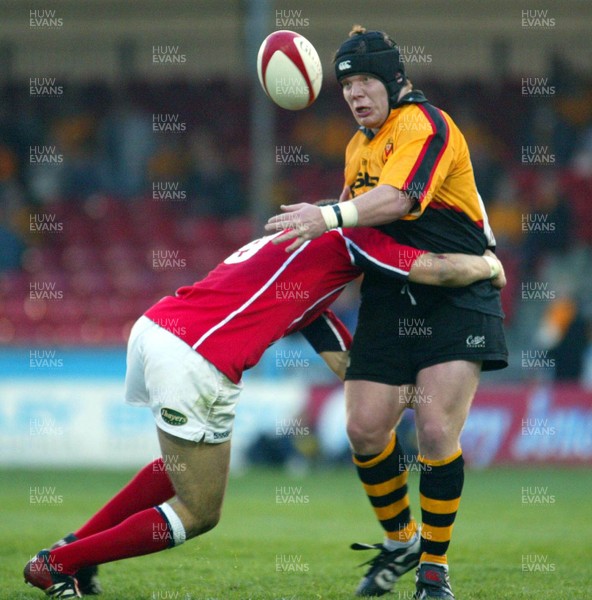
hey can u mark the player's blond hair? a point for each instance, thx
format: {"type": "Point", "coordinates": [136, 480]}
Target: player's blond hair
{"type": "Point", "coordinates": [361, 30]}
{"type": "Point", "coordinates": [357, 30]}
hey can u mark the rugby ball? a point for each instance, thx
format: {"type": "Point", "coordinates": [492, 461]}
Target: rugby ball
{"type": "Point", "coordinates": [289, 70]}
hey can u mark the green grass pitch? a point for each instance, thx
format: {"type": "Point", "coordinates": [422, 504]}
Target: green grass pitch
{"type": "Point", "coordinates": [520, 534]}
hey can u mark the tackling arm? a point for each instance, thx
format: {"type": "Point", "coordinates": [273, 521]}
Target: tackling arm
{"type": "Point", "coordinates": [369, 248]}
{"type": "Point", "coordinates": [457, 270]}
{"type": "Point", "coordinates": [331, 339]}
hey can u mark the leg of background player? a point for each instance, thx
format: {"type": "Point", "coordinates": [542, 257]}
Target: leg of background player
{"type": "Point", "coordinates": [195, 510]}
{"type": "Point", "coordinates": [450, 388]}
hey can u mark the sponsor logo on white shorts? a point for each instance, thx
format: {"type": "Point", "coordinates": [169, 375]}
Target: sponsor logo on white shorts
{"type": "Point", "coordinates": [476, 341]}
{"type": "Point", "coordinates": [221, 435]}
{"type": "Point", "coordinates": [173, 417]}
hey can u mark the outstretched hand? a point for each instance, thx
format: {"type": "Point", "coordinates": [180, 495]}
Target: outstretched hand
{"type": "Point", "coordinates": [304, 222]}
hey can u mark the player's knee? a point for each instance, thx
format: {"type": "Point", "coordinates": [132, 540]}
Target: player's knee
{"type": "Point", "coordinates": [434, 435]}
{"type": "Point", "coordinates": [356, 434]}
{"type": "Point", "coordinates": [202, 523]}
{"type": "Point", "coordinates": [198, 520]}
{"type": "Point", "coordinates": [366, 438]}
{"type": "Point", "coordinates": [209, 520]}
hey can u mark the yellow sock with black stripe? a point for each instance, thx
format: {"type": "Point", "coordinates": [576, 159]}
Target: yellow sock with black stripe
{"type": "Point", "coordinates": [440, 488]}
{"type": "Point", "coordinates": [384, 477]}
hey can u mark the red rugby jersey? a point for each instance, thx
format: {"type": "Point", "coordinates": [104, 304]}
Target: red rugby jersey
{"type": "Point", "coordinates": [261, 293]}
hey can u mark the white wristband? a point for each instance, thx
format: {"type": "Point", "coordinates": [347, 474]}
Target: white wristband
{"type": "Point", "coordinates": [349, 213]}
{"type": "Point", "coordinates": [330, 217]}
{"type": "Point", "coordinates": [494, 266]}
{"type": "Point", "coordinates": [344, 214]}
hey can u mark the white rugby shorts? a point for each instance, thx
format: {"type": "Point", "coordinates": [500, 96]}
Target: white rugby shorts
{"type": "Point", "coordinates": [189, 397]}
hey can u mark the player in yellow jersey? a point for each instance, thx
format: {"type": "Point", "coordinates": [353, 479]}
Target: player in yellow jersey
{"type": "Point", "coordinates": [408, 172]}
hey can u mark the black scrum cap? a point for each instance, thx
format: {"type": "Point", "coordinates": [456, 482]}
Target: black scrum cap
{"type": "Point", "coordinates": [374, 53]}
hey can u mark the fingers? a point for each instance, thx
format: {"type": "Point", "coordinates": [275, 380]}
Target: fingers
{"type": "Point", "coordinates": [278, 223]}
{"type": "Point", "coordinates": [499, 282]}
{"type": "Point", "coordinates": [304, 221]}
{"type": "Point", "coordinates": [286, 220]}
{"type": "Point", "coordinates": [289, 235]}
{"type": "Point", "coordinates": [293, 207]}
{"type": "Point", "coordinates": [293, 234]}
{"type": "Point", "coordinates": [297, 243]}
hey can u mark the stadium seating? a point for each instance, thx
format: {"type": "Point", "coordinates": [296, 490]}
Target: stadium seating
{"type": "Point", "coordinates": [101, 261]}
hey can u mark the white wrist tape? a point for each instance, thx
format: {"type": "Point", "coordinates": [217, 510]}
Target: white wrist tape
{"type": "Point", "coordinates": [349, 212]}
{"type": "Point", "coordinates": [344, 214]}
{"type": "Point", "coordinates": [330, 217]}
{"type": "Point", "coordinates": [494, 266]}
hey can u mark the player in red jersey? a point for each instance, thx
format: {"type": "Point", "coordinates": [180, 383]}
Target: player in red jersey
{"type": "Point", "coordinates": [185, 360]}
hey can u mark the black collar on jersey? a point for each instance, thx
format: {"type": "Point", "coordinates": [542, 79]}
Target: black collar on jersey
{"type": "Point", "coordinates": [412, 97]}
{"type": "Point", "coordinates": [367, 132]}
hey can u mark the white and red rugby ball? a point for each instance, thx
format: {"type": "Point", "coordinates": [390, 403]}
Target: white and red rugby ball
{"type": "Point", "coordinates": [289, 69]}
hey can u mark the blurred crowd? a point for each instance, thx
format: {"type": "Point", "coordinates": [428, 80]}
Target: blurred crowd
{"type": "Point", "coordinates": [185, 148]}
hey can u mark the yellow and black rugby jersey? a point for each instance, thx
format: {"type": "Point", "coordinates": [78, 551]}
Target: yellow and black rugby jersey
{"type": "Point", "coordinates": [420, 150]}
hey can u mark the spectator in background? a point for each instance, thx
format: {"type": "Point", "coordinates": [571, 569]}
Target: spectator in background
{"type": "Point", "coordinates": [11, 191]}
{"type": "Point", "coordinates": [323, 134]}
{"type": "Point", "coordinates": [170, 163]}
{"type": "Point", "coordinates": [505, 213]}
{"type": "Point", "coordinates": [215, 187]}
{"type": "Point", "coordinates": [128, 143]}
{"type": "Point", "coordinates": [564, 333]}
{"type": "Point", "coordinates": [572, 105]}
{"type": "Point", "coordinates": [586, 376]}
{"type": "Point", "coordinates": [569, 352]}
{"type": "Point", "coordinates": [81, 172]}
{"type": "Point", "coordinates": [486, 149]}
{"type": "Point", "coordinates": [11, 243]}
{"type": "Point", "coordinates": [21, 126]}
{"type": "Point", "coordinates": [582, 156]}
{"type": "Point", "coordinates": [553, 231]}
{"type": "Point", "coordinates": [12, 206]}
{"type": "Point", "coordinates": [43, 178]}
{"type": "Point", "coordinates": [67, 165]}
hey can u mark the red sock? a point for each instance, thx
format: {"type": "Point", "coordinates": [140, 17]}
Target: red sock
{"type": "Point", "coordinates": [143, 533]}
{"type": "Point", "coordinates": [150, 487]}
